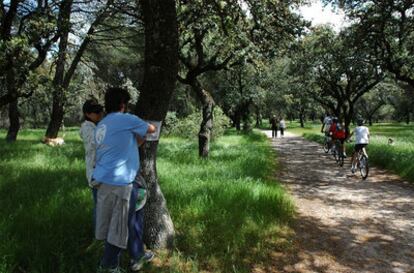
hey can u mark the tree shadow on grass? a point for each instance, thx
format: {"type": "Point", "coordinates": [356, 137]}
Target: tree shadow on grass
{"type": "Point", "coordinates": [227, 225]}
{"type": "Point", "coordinates": [47, 221]}
{"type": "Point", "coordinates": [24, 148]}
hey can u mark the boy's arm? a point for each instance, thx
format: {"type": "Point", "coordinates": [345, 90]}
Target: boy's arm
{"type": "Point", "coordinates": [140, 140]}
{"type": "Point", "coordinates": [151, 128]}
{"type": "Point", "coordinates": [140, 127]}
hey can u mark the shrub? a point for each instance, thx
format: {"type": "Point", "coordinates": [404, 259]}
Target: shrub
{"type": "Point", "coordinates": [189, 126]}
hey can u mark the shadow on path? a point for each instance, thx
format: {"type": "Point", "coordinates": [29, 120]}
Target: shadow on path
{"type": "Point", "coordinates": [344, 224]}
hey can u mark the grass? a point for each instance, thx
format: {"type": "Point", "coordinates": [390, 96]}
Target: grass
{"type": "Point", "coordinates": [228, 211]}
{"type": "Point", "coordinates": [398, 157]}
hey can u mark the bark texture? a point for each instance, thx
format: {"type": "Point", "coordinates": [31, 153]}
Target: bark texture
{"type": "Point", "coordinates": [14, 122]}
{"type": "Point", "coordinates": [161, 68]}
{"type": "Point", "coordinates": [58, 81]}
{"type": "Point", "coordinates": [62, 77]}
{"type": "Point", "coordinates": [206, 126]}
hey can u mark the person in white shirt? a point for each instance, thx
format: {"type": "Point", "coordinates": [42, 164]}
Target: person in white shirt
{"type": "Point", "coordinates": [282, 126]}
{"type": "Point", "coordinates": [361, 140]}
{"type": "Point", "coordinates": [93, 113]}
{"type": "Point", "coordinates": [327, 121]}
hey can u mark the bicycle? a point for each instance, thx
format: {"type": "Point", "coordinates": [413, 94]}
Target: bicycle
{"type": "Point", "coordinates": [361, 163]}
{"type": "Point", "coordinates": [327, 144]}
{"type": "Point", "coordinates": [338, 153]}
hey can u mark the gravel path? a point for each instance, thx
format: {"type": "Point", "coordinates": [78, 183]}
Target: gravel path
{"type": "Point", "coordinates": [344, 224]}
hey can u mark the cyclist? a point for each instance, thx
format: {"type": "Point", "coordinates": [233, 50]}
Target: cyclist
{"type": "Point", "coordinates": [361, 141]}
{"type": "Point", "coordinates": [326, 125]}
{"type": "Point", "coordinates": [338, 132]}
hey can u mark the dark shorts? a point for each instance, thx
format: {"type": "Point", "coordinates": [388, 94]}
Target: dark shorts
{"type": "Point", "coordinates": [358, 147]}
{"type": "Point", "coordinates": [341, 140]}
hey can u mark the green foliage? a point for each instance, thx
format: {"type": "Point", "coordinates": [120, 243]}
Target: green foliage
{"type": "Point", "coordinates": [339, 67]}
{"type": "Point", "coordinates": [227, 210]}
{"type": "Point", "coordinates": [388, 26]}
{"type": "Point", "coordinates": [189, 126]}
{"type": "Point", "coordinates": [25, 40]}
{"type": "Point", "coordinates": [223, 208]}
{"type": "Point", "coordinates": [371, 104]}
{"type": "Point", "coordinates": [238, 92]}
{"type": "Point", "coordinates": [45, 206]}
{"type": "Point", "coordinates": [120, 59]}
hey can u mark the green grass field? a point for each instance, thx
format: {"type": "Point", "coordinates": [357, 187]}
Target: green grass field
{"type": "Point", "coordinates": [398, 157]}
{"type": "Point", "coordinates": [228, 211]}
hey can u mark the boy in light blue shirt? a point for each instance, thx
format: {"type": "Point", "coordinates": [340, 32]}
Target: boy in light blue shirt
{"type": "Point", "coordinates": [117, 164]}
{"type": "Point", "coordinates": [117, 157]}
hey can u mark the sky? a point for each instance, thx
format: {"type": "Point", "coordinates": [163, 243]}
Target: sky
{"type": "Point", "coordinates": [318, 14]}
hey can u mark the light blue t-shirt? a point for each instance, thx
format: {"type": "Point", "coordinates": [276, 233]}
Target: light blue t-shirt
{"type": "Point", "coordinates": [117, 157]}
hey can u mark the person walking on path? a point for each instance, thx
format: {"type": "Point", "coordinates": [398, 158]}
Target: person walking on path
{"type": "Point", "coordinates": [282, 127]}
{"type": "Point", "coordinates": [273, 123]}
{"type": "Point", "coordinates": [117, 164]}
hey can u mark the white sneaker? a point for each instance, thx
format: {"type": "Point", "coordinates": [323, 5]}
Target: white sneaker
{"type": "Point", "coordinates": [137, 265]}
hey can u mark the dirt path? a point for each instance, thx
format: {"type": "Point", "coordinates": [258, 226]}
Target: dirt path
{"type": "Point", "coordinates": [344, 224]}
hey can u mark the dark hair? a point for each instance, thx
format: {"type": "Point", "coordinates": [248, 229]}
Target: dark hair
{"type": "Point", "coordinates": [91, 106]}
{"type": "Point", "coordinates": [360, 122]}
{"type": "Point", "coordinates": [114, 97]}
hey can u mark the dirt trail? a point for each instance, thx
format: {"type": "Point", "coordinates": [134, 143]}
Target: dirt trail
{"type": "Point", "coordinates": [344, 224]}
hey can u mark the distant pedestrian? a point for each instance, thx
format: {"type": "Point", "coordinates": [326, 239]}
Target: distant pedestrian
{"type": "Point", "coordinates": [282, 126]}
{"type": "Point", "coordinates": [273, 124]}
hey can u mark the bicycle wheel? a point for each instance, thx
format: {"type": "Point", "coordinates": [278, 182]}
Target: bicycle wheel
{"type": "Point", "coordinates": [341, 159]}
{"type": "Point", "coordinates": [363, 167]}
{"type": "Point", "coordinates": [335, 152]}
{"type": "Point", "coordinates": [326, 146]}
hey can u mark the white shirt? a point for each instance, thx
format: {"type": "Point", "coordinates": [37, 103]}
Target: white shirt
{"type": "Point", "coordinates": [87, 133]}
{"type": "Point", "coordinates": [361, 135]}
{"type": "Point", "coordinates": [282, 124]}
{"type": "Point", "coordinates": [327, 121]}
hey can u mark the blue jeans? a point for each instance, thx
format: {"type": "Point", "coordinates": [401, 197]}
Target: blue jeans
{"type": "Point", "coordinates": [111, 256]}
{"type": "Point", "coordinates": [135, 227]}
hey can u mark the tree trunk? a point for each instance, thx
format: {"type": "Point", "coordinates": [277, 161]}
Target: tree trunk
{"type": "Point", "coordinates": [160, 72]}
{"type": "Point", "coordinates": [206, 125]}
{"type": "Point", "coordinates": [58, 80]}
{"type": "Point", "coordinates": [204, 136]}
{"type": "Point", "coordinates": [247, 125]}
{"type": "Point", "coordinates": [237, 120]}
{"type": "Point", "coordinates": [407, 120]}
{"type": "Point", "coordinates": [348, 115]}
{"type": "Point", "coordinates": [14, 122]}
{"type": "Point", "coordinates": [158, 225]}
{"type": "Point", "coordinates": [56, 118]}
{"type": "Point", "coordinates": [302, 119]}
{"type": "Point", "coordinates": [258, 117]}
